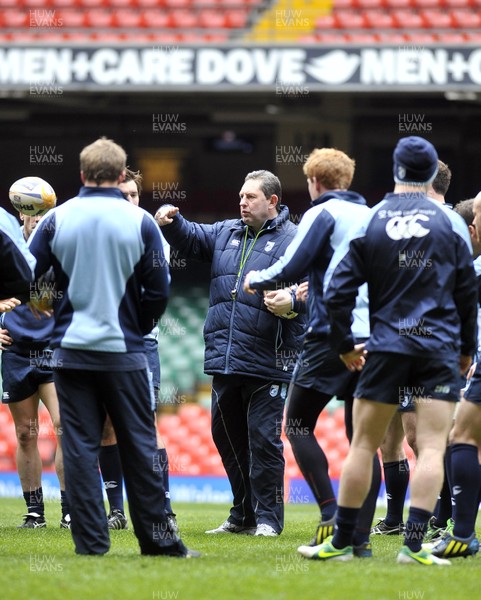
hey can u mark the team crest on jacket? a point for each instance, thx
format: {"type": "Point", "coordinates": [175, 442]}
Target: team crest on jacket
{"type": "Point", "coordinates": [269, 245]}
{"type": "Point", "coordinates": [235, 242]}
{"type": "Point", "coordinates": [274, 391]}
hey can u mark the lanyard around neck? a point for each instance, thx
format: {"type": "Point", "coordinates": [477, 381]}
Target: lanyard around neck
{"type": "Point", "coordinates": [244, 257]}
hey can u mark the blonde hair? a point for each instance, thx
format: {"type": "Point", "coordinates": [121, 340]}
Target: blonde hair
{"type": "Point", "coordinates": [331, 167]}
{"type": "Point", "coordinates": [103, 160]}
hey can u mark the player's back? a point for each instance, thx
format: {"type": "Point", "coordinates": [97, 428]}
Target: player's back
{"type": "Point", "coordinates": [412, 249]}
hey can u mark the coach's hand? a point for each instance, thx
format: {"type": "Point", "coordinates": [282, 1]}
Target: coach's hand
{"type": "Point", "coordinates": [9, 304]}
{"type": "Point", "coordinates": [355, 359]}
{"type": "Point", "coordinates": [165, 214]}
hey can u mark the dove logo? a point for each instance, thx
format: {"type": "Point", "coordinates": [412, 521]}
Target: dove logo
{"type": "Point", "coordinates": [335, 67]}
{"type": "Point", "coordinates": [404, 228]}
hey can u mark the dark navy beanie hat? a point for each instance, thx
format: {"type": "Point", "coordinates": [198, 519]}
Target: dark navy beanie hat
{"type": "Point", "coordinates": [415, 161]}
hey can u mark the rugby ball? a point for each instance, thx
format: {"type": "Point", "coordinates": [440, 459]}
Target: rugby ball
{"type": "Point", "coordinates": [32, 196]}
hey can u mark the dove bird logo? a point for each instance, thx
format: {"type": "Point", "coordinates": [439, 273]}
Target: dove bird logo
{"type": "Point", "coordinates": [335, 67]}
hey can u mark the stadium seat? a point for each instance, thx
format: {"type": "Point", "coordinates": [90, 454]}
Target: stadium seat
{"type": "Point", "coordinates": [327, 22]}
{"type": "Point", "coordinates": [127, 18]}
{"type": "Point", "coordinates": [455, 37]}
{"type": "Point", "coordinates": [437, 19]}
{"type": "Point", "coordinates": [350, 20]}
{"type": "Point", "coordinates": [370, 4]}
{"type": "Point", "coordinates": [398, 4]}
{"type": "Point", "coordinates": [466, 19]}
{"type": "Point", "coordinates": [236, 19]}
{"type": "Point", "coordinates": [15, 18]}
{"type": "Point", "coordinates": [419, 37]}
{"type": "Point", "coordinates": [379, 20]}
{"type": "Point", "coordinates": [212, 19]}
{"type": "Point", "coordinates": [408, 20]}
{"type": "Point", "coordinates": [156, 19]}
{"type": "Point", "coordinates": [362, 37]}
{"type": "Point", "coordinates": [391, 37]}
{"type": "Point", "coordinates": [98, 18]}
{"type": "Point", "coordinates": [72, 18]}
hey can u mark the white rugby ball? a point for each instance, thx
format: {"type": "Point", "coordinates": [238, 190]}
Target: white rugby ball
{"type": "Point", "coordinates": [32, 196]}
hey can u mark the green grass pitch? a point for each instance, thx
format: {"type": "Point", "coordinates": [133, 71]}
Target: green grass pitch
{"type": "Point", "coordinates": [41, 565]}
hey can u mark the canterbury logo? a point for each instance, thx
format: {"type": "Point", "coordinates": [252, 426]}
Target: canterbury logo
{"type": "Point", "coordinates": [404, 228]}
{"type": "Point", "coordinates": [108, 485]}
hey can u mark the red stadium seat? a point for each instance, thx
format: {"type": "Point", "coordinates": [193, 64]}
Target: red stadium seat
{"type": "Point", "coordinates": [72, 18]}
{"type": "Point", "coordinates": [98, 18]}
{"type": "Point", "coordinates": [474, 37]}
{"type": "Point", "coordinates": [392, 37]}
{"type": "Point", "coordinates": [126, 18]}
{"type": "Point", "coordinates": [212, 19]}
{"type": "Point", "coordinates": [466, 19]}
{"type": "Point", "coordinates": [379, 20]}
{"type": "Point", "coordinates": [184, 18]}
{"type": "Point", "coordinates": [237, 19]}
{"type": "Point", "coordinates": [467, 4]}
{"type": "Point", "coordinates": [408, 20]}
{"type": "Point", "coordinates": [428, 4]}
{"type": "Point", "coordinates": [455, 37]}
{"type": "Point", "coordinates": [16, 18]}
{"type": "Point", "coordinates": [398, 4]}
{"type": "Point", "coordinates": [348, 19]}
{"type": "Point", "coordinates": [156, 19]}
{"type": "Point", "coordinates": [421, 37]}
{"type": "Point", "coordinates": [370, 4]}
{"type": "Point", "coordinates": [437, 19]}
{"type": "Point", "coordinates": [361, 37]}
{"type": "Point", "coordinates": [9, 4]}
{"type": "Point", "coordinates": [178, 3]}
{"type": "Point", "coordinates": [327, 22]}
{"type": "Point", "coordinates": [120, 3]}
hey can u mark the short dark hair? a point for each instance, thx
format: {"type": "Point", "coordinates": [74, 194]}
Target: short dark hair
{"type": "Point", "coordinates": [443, 179]}
{"type": "Point", "coordinates": [269, 183]}
{"type": "Point", "coordinates": [465, 210]}
{"type": "Point", "coordinates": [136, 177]}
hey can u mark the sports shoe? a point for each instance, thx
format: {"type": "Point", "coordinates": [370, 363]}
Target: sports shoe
{"type": "Point", "coordinates": [117, 520]}
{"type": "Point", "coordinates": [452, 546]}
{"type": "Point", "coordinates": [172, 521]}
{"type": "Point", "coordinates": [228, 527]}
{"type": "Point", "coordinates": [65, 522]}
{"type": "Point", "coordinates": [380, 528]}
{"type": "Point", "coordinates": [435, 534]}
{"type": "Point", "coordinates": [326, 551]}
{"type": "Point", "coordinates": [324, 530]}
{"type": "Point", "coordinates": [423, 557]}
{"type": "Point", "coordinates": [32, 521]}
{"type": "Point", "coordinates": [363, 551]}
{"type": "Point", "coordinates": [263, 529]}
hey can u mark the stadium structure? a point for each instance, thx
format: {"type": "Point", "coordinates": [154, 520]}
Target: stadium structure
{"type": "Point", "coordinates": [200, 92]}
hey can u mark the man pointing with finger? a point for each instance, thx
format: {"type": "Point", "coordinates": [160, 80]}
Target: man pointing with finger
{"type": "Point", "coordinates": [249, 348]}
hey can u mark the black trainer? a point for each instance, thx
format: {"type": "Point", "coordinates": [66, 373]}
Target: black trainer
{"type": "Point", "coordinates": [32, 521]}
{"type": "Point", "coordinates": [117, 520]}
{"type": "Point", "coordinates": [380, 528]}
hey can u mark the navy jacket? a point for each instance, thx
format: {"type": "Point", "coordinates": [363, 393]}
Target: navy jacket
{"type": "Point", "coordinates": [416, 257]}
{"type": "Point", "coordinates": [111, 276]}
{"type": "Point", "coordinates": [17, 264]}
{"type": "Point", "coordinates": [321, 231]}
{"type": "Point", "coordinates": [241, 336]}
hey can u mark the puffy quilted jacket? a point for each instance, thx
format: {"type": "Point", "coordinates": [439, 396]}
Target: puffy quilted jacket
{"type": "Point", "coordinates": [241, 336]}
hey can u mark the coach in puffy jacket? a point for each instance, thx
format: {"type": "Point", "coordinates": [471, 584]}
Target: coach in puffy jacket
{"type": "Point", "coordinates": [250, 349]}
